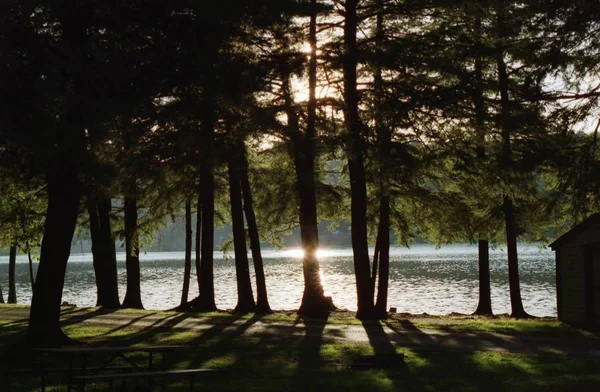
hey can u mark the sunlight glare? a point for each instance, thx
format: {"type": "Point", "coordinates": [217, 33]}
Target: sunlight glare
{"type": "Point", "coordinates": [299, 253]}
{"type": "Point", "coordinates": [306, 47]}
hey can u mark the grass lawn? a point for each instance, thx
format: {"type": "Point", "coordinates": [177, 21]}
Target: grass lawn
{"type": "Point", "coordinates": [498, 324]}
{"type": "Point", "coordinates": [269, 363]}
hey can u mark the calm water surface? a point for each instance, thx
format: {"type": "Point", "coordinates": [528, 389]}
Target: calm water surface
{"type": "Point", "coordinates": [422, 279]}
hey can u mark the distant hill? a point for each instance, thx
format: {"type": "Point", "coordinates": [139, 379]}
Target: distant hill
{"type": "Point", "coordinates": [172, 238]}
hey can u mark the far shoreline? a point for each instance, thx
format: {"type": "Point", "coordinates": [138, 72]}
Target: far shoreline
{"type": "Point", "coordinates": [293, 252]}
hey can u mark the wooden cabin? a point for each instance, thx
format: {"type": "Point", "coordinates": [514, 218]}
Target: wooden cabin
{"type": "Point", "coordinates": [578, 273]}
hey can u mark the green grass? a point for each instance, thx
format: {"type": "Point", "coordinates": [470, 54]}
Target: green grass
{"type": "Point", "coordinates": [498, 324]}
{"type": "Point", "coordinates": [507, 326]}
{"type": "Point", "coordinates": [14, 306]}
{"type": "Point", "coordinates": [272, 363]}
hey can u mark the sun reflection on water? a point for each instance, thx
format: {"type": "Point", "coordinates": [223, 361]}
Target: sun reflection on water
{"type": "Point", "coordinates": [298, 253]}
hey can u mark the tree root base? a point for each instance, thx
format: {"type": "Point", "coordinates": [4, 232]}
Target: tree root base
{"type": "Point", "coordinates": [196, 305]}
{"type": "Point", "coordinates": [372, 314]}
{"type": "Point", "coordinates": [317, 307]}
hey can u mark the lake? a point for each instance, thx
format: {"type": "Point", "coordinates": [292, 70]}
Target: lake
{"type": "Point", "coordinates": [422, 279]}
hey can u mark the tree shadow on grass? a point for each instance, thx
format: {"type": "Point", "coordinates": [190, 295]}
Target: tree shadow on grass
{"type": "Point", "coordinates": [73, 310]}
{"type": "Point", "coordinates": [412, 336]}
{"type": "Point", "coordinates": [378, 338]}
{"type": "Point", "coordinates": [309, 356]}
{"type": "Point", "coordinates": [132, 322]}
{"type": "Point", "coordinates": [73, 316]}
{"type": "Point", "coordinates": [276, 361]}
{"type": "Point", "coordinates": [8, 311]}
{"type": "Point", "coordinates": [275, 357]}
{"type": "Point", "coordinates": [450, 362]}
{"type": "Point", "coordinates": [149, 333]}
{"type": "Point", "coordinates": [409, 333]}
{"type": "Point", "coordinates": [386, 357]}
{"type": "Point", "coordinates": [210, 345]}
{"type": "Point", "coordinates": [457, 370]}
{"type": "Point", "coordinates": [12, 331]}
{"type": "Point", "coordinates": [217, 340]}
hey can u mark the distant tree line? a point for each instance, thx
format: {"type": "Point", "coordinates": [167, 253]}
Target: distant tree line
{"type": "Point", "coordinates": [453, 121]}
{"type": "Point", "coordinates": [171, 238]}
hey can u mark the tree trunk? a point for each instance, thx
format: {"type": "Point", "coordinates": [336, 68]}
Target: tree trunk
{"type": "Point", "coordinates": [63, 192]}
{"type": "Point", "coordinates": [103, 253]}
{"type": "Point", "coordinates": [12, 286]}
{"type": "Point", "coordinates": [245, 302]}
{"type": "Point", "coordinates": [198, 236]}
{"type": "Point", "coordinates": [1, 295]}
{"type": "Point", "coordinates": [484, 308]}
{"type": "Point", "coordinates": [187, 268]}
{"type": "Point", "coordinates": [61, 218]}
{"type": "Point", "coordinates": [383, 235]}
{"type": "Point", "coordinates": [30, 262]}
{"type": "Point", "coordinates": [375, 265]}
{"type": "Point", "coordinates": [262, 301]}
{"type": "Point", "coordinates": [97, 251]}
{"type": "Point", "coordinates": [206, 298]}
{"type": "Point", "coordinates": [314, 303]}
{"type": "Point", "coordinates": [133, 296]}
{"type": "Point", "coordinates": [358, 188]}
{"type": "Point", "coordinates": [516, 302]}
{"type": "Point", "coordinates": [384, 137]}
{"type": "Point", "coordinates": [110, 297]}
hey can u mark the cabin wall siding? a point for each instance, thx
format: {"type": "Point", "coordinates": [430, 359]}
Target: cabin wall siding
{"type": "Point", "coordinates": [571, 262]}
{"type": "Point", "coordinates": [572, 285]}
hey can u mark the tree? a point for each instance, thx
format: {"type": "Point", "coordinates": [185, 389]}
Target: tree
{"type": "Point", "coordinates": [245, 302]}
{"type": "Point", "coordinates": [100, 185]}
{"type": "Point", "coordinates": [12, 291]}
{"type": "Point", "coordinates": [573, 162]}
{"type": "Point", "coordinates": [21, 221]}
{"type": "Point", "coordinates": [262, 301]}
{"type": "Point", "coordinates": [103, 252]}
{"type": "Point", "coordinates": [355, 151]}
{"type": "Point", "coordinates": [495, 129]}
{"type": "Point", "coordinates": [216, 74]}
{"type": "Point", "coordinates": [517, 309]}
{"type": "Point", "coordinates": [484, 306]}
{"type": "Point", "coordinates": [462, 211]}
{"type": "Point", "coordinates": [133, 297]}
{"type": "Point", "coordinates": [64, 187]}
{"type": "Point", "coordinates": [188, 251]}
{"type": "Point", "coordinates": [314, 303]}
{"type": "Point", "coordinates": [53, 48]}
{"type": "Point", "coordinates": [381, 258]}
{"type": "Point", "coordinates": [513, 116]}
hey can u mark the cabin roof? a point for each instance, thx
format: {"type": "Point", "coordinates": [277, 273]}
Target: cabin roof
{"type": "Point", "coordinates": [575, 231]}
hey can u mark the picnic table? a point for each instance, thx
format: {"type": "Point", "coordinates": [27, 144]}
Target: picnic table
{"type": "Point", "coordinates": [83, 361]}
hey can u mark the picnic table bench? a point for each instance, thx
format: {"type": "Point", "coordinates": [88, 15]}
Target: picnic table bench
{"type": "Point", "coordinates": [150, 376]}
{"type": "Point", "coordinates": [82, 371]}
